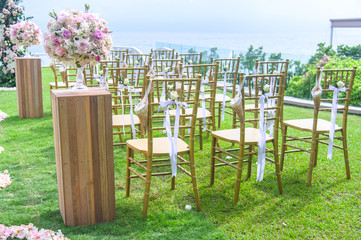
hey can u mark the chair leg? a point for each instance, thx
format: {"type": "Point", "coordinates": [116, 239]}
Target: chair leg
{"type": "Point", "coordinates": [172, 187]}
{"type": "Point", "coordinates": [283, 146]}
{"type": "Point", "coordinates": [277, 164]}
{"type": "Point", "coordinates": [316, 152]}
{"type": "Point", "coordinates": [147, 187]}
{"type": "Point", "coordinates": [219, 115]}
{"type": "Point", "coordinates": [213, 153]}
{"type": "Point", "coordinates": [127, 184]}
{"type": "Point", "coordinates": [201, 136]}
{"type": "Point", "coordinates": [345, 153]}
{"type": "Point", "coordinates": [312, 158]}
{"type": "Point", "coordinates": [194, 181]}
{"type": "Point", "coordinates": [249, 167]}
{"type": "Point", "coordinates": [239, 173]}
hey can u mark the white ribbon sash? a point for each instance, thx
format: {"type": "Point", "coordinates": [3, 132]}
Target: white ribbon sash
{"type": "Point", "coordinates": [262, 139]}
{"type": "Point", "coordinates": [131, 90]}
{"type": "Point", "coordinates": [224, 93]}
{"type": "Point", "coordinates": [172, 141]}
{"type": "Point", "coordinates": [333, 118]}
{"type": "Point", "coordinates": [203, 98]}
{"type": "Point", "coordinates": [271, 103]}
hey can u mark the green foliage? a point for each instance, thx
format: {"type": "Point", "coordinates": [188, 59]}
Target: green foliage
{"type": "Point", "coordinates": [300, 86]}
{"type": "Point", "coordinates": [349, 51]}
{"type": "Point", "coordinates": [320, 52]}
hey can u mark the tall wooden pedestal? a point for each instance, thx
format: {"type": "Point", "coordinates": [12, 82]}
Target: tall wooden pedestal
{"type": "Point", "coordinates": [84, 155]}
{"type": "Point", "coordinates": [28, 87]}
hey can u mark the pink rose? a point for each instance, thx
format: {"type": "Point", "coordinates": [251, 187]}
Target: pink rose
{"type": "Point", "coordinates": [12, 71]}
{"type": "Point", "coordinates": [98, 35]}
{"type": "Point", "coordinates": [98, 58]}
{"type": "Point", "coordinates": [83, 45]}
{"type": "Point", "coordinates": [56, 41]}
{"type": "Point", "coordinates": [5, 59]}
{"type": "Point", "coordinates": [59, 51]}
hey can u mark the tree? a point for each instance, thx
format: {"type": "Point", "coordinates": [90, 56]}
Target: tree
{"type": "Point", "coordinates": [275, 57]}
{"type": "Point", "coordinates": [248, 60]}
{"type": "Point", "coordinates": [321, 51]}
{"type": "Point", "coordinates": [214, 53]}
{"type": "Point", "coordinates": [192, 50]}
{"type": "Point", "coordinates": [11, 13]}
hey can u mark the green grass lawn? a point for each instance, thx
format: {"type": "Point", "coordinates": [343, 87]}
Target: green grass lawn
{"type": "Point", "coordinates": [330, 209]}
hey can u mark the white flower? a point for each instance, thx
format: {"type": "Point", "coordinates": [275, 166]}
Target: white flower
{"type": "Point", "coordinates": [266, 88]}
{"type": "Point", "coordinates": [188, 207]}
{"type": "Point", "coordinates": [136, 62]}
{"type": "Point", "coordinates": [1, 149]}
{"type": "Point", "coordinates": [190, 61]}
{"type": "Point", "coordinates": [225, 68]}
{"type": "Point", "coordinates": [174, 95]}
{"type": "Point", "coordinates": [126, 81]}
{"type": "Point", "coordinates": [170, 86]}
{"type": "Point", "coordinates": [340, 84]}
{"type": "Point", "coordinates": [167, 70]}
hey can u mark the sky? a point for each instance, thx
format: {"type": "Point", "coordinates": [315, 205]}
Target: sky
{"type": "Point", "coordinates": [205, 15]}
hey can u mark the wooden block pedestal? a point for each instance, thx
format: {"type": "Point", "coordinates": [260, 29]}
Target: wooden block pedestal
{"type": "Point", "coordinates": [28, 87]}
{"type": "Point", "coordinates": [84, 155]}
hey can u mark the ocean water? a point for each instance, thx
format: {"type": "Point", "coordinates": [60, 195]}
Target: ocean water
{"type": "Point", "coordinates": [293, 45]}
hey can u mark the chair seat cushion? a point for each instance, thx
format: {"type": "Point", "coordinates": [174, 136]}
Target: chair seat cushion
{"type": "Point", "coordinates": [219, 98]}
{"type": "Point", "coordinates": [323, 126]}
{"type": "Point", "coordinates": [160, 145]}
{"type": "Point", "coordinates": [233, 135]}
{"type": "Point", "coordinates": [189, 111]}
{"type": "Point", "coordinates": [118, 120]}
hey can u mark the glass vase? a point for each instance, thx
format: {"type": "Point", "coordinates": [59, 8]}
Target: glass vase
{"type": "Point", "coordinates": [27, 55]}
{"type": "Point", "coordinates": [79, 80]}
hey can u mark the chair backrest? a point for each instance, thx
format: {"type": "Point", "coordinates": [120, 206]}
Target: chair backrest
{"type": "Point", "coordinates": [118, 55]}
{"type": "Point", "coordinates": [190, 58]}
{"type": "Point", "coordinates": [160, 65]}
{"type": "Point", "coordinates": [274, 101]}
{"type": "Point", "coordinates": [334, 77]}
{"type": "Point", "coordinates": [170, 86]}
{"type": "Point", "coordinates": [136, 78]}
{"type": "Point", "coordinates": [232, 71]}
{"type": "Point", "coordinates": [59, 71]}
{"type": "Point", "coordinates": [209, 75]}
{"type": "Point", "coordinates": [163, 54]}
{"type": "Point", "coordinates": [269, 67]}
{"type": "Point", "coordinates": [138, 59]}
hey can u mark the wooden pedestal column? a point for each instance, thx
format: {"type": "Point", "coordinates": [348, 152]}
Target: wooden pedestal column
{"type": "Point", "coordinates": [84, 155]}
{"type": "Point", "coordinates": [28, 87]}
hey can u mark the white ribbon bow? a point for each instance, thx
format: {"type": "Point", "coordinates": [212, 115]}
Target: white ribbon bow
{"type": "Point", "coordinates": [172, 141]}
{"type": "Point", "coordinates": [333, 118]}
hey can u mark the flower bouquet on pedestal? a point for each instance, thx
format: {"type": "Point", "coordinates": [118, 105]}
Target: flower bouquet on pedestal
{"type": "Point", "coordinates": [25, 34]}
{"type": "Point", "coordinates": [77, 38]}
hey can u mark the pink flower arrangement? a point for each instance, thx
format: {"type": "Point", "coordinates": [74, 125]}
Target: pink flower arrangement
{"type": "Point", "coordinates": [77, 38]}
{"type": "Point", "coordinates": [25, 33]}
{"type": "Point", "coordinates": [29, 232]}
{"type": "Point", "coordinates": [4, 177]}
